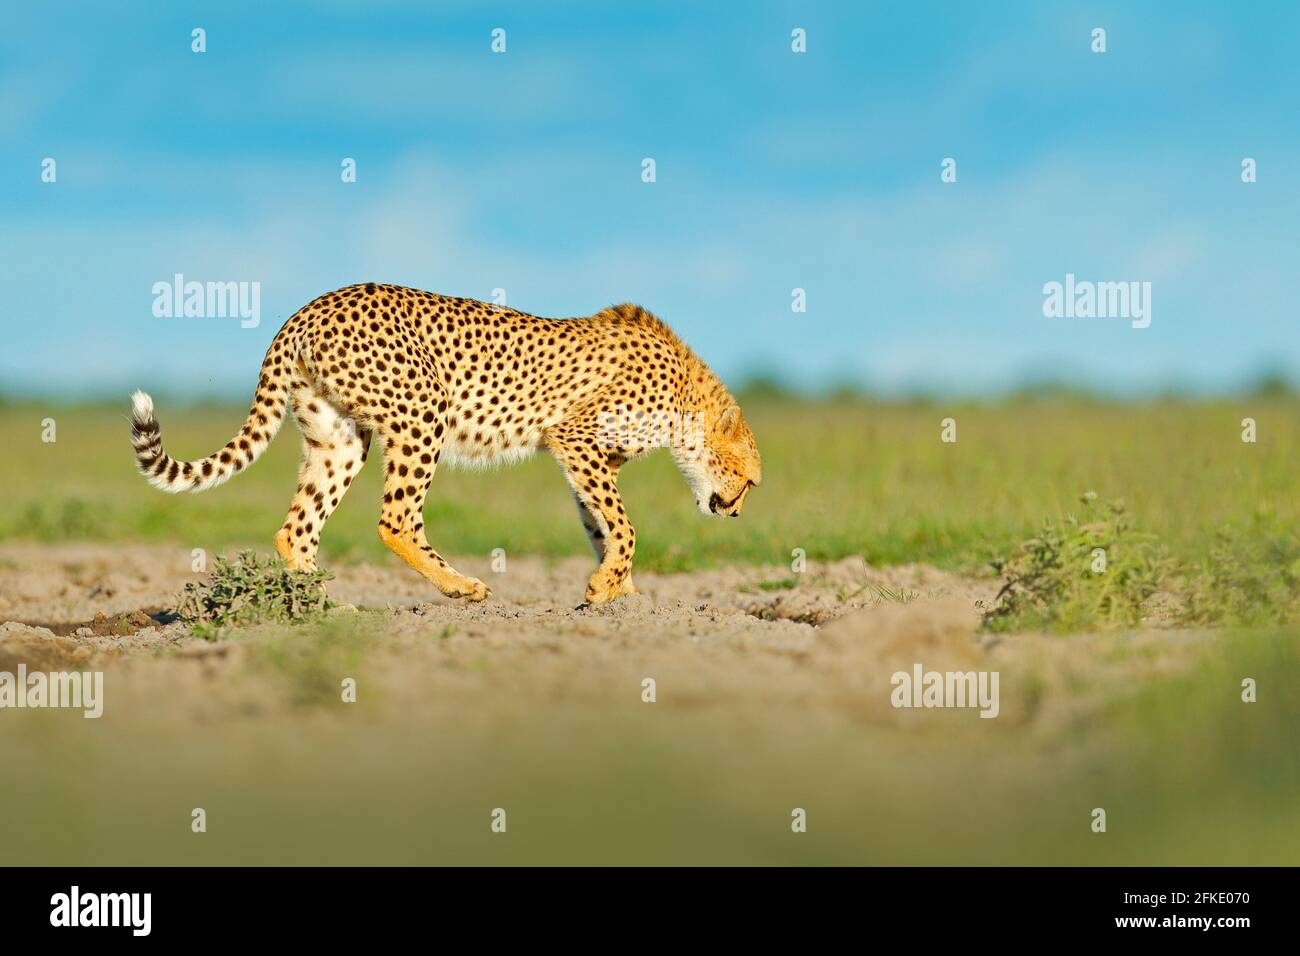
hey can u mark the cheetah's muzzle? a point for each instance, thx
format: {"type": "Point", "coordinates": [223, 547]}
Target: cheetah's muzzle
{"type": "Point", "coordinates": [718, 506]}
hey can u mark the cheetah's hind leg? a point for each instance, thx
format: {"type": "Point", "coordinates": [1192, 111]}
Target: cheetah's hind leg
{"type": "Point", "coordinates": [333, 451]}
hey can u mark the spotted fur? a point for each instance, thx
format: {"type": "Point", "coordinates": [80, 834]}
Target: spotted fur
{"type": "Point", "coordinates": [438, 378]}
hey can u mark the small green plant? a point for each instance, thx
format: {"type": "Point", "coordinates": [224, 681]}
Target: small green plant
{"type": "Point", "coordinates": [1247, 580]}
{"type": "Point", "coordinates": [250, 590]}
{"type": "Point", "coordinates": [1091, 570]}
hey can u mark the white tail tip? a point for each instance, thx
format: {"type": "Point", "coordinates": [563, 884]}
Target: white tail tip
{"type": "Point", "coordinates": [141, 406]}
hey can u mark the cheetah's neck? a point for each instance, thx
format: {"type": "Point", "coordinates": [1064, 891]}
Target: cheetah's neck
{"type": "Point", "coordinates": [705, 395]}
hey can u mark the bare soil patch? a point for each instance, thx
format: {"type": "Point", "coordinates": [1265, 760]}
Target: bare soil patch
{"type": "Point", "coordinates": [93, 590]}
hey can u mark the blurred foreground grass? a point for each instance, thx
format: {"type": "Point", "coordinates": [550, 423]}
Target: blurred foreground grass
{"type": "Point", "coordinates": [1186, 772]}
{"type": "Point", "coordinates": [841, 476]}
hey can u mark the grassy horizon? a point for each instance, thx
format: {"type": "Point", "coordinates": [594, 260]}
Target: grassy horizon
{"type": "Point", "coordinates": [842, 476]}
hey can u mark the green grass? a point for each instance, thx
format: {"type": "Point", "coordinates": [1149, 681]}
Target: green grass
{"type": "Point", "coordinates": [1095, 570]}
{"type": "Point", "coordinates": [841, 477]}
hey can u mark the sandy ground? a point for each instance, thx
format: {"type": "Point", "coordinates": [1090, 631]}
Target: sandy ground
{"type": "Point", "coordinates": [93, 589]}
{"type": "Point", "coordinates": [109, 601]}
{"type": "Point", "coordinates": [828, 637]}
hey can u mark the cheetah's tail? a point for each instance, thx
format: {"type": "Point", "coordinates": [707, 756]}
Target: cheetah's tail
{"type": "Point", "coordinates": [167, 474]}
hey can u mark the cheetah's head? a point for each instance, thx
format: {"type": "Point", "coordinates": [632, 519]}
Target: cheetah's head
{"type": "Point", "coordinates": [723, 464]}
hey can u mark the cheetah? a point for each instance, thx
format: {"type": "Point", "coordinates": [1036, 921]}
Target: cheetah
{"type": "Point", "coordinates": [445, 379]}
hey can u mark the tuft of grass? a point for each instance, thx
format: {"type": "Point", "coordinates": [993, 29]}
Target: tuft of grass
{"type": "Point", "coordinates": [1092, 570]}
{"type": "Point", "coordinates": [252, 590]}
{"type": "Point", "coordinates": [899, 595]}
{"type": "Point", "coordinates": [1252, 581]}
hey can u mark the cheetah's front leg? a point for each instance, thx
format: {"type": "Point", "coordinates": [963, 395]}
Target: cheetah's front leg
{"type": "Point", "coordinates": [594, 525]}
{"type": "Point", "coordinates": [593, 478]}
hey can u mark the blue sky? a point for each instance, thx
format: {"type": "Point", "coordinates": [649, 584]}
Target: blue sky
{"type": "Point", "coordinates": [775, 170]}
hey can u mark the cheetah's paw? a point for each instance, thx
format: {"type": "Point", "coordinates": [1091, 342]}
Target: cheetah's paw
{"type": "Point", "coordinates": [472, 589]}
{"type": "Point", "coordinates": [601, 592]}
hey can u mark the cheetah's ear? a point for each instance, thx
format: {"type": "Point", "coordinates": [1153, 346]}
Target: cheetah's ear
{"type": "Point", "coordinates": [730, 420]}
